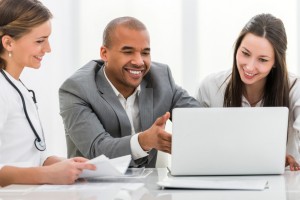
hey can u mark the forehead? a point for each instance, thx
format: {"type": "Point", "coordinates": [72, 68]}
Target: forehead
{"type": "Point", "coordinates": [258, 45]}
{"type": "Point", "coordinates": [42, 30]}
{"type": "Point", "coordinates": [124, 36]}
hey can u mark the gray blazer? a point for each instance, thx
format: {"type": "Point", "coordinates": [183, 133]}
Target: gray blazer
{"type": "Point", "coordinates": [95, 121]}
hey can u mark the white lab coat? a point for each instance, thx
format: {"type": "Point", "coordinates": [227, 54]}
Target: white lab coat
{"type": "Point", "coordinates": [16, 137]}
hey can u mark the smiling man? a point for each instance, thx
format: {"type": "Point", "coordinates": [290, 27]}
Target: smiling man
{"type": "Point", "coordinates": [119, 105]}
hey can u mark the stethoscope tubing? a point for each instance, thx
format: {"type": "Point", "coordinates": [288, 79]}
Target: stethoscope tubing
{"type": "Point", "coordinates": [39, 140]}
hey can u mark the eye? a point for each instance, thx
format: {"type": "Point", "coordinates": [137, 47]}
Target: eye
{"type": "Point", "coordinates": [127, 52]}
{"type": "Point", "coordinates": [40, 41]}
{"type": "Point", "coordinates": [245, 53]}
{"type": "Point", "coordinates": [145, 53]}
{"type": "Point", "coordinates": [262, 60]}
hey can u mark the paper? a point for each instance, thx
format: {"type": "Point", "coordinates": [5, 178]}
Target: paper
{"type": "Point", "coordinates": [87, 186]}
{"type": "Point", "coordinates": [107, 167]}
{"type": "Point", "coordinates": [220, 184]}
{"type": "Point", "coordinates": [103, 190]}
{"type": "Point", "coordinates": [130, 174]}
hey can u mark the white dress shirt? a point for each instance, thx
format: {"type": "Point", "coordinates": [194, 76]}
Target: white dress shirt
{"type": "Point", "coordinates": [131, 107]}
{"type": "Point", "coordinates": [16, 137]}
{"type": "Point", "coordinates": [211, 94]}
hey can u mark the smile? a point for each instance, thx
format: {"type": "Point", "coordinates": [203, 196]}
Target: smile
{"type": "Point", "coordinates": [134, 72]}
{"type": "Point", "coordinates": [248, 73]}
{"type": "Point", "coordinates": [39, 57]}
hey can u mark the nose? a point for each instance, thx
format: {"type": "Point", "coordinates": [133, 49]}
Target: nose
{"type": "Point", "coordinates": [47, 47]}
{"type": "Point", "coordinates": [137, 60]}
{"type": "Point", "coordinates": [250, 65]}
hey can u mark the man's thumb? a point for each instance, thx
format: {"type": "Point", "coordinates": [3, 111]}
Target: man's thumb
{"type": "Point", "coordinates": [163, 119]}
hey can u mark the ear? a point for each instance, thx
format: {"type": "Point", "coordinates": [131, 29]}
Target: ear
{"type": "Point", "coordinates": [7, 42]}
{"type": "Point", "coordinates": [103, 53]}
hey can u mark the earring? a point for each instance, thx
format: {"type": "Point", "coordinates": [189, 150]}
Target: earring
{"type": "Point", "coordinates": [9, 54]}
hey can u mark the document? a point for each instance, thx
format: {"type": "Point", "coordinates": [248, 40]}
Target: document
{"type": "Point", "coordinates": [107, 167]}
{"type": "Point", "coordinates": [218, 184]}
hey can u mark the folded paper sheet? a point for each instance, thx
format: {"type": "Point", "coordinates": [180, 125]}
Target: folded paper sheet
{"type": "Point", "coordinates": [107, 167]}
{"type": "Point", "coordinates": [217, 184]}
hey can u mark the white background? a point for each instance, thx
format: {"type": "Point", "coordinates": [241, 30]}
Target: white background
{"type": "Point", "coordinates": [194, 37]}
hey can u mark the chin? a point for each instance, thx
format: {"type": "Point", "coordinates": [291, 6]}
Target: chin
{"type": "Point", "coordinates": [247, 82]}
{"type": "Point", "coordinates": [34, 66]}
{"type": "Point", "coordinates": [134, 85]}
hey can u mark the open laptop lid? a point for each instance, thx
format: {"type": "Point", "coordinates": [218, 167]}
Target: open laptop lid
{"type": "Point", "coordinates": [229, 141]}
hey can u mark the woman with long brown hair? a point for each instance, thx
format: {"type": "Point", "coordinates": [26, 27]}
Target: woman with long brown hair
{"type": "Point", "coordinates": [259, 77]}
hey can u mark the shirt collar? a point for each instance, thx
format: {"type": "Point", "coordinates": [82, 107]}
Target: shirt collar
{"type": "Point", "coordinates": [245, 102]}
{"type": "Point", "coordinates": [136, 91]}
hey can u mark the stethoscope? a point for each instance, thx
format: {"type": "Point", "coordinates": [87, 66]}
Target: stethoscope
{"type": "Point", "coordinates": [38, 142]}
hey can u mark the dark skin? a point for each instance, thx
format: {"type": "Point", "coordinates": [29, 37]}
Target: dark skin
{"type": "Point", "coordinates": [127, 61]}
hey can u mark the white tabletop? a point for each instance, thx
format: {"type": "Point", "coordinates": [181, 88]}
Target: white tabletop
{"type": "Point", "coordinates": [281, 187]}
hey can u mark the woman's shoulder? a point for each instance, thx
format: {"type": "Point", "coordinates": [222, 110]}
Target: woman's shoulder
{"type": "Point", "coordinates": [294, 80]}
{"type": "Point", "coordinates": [214, 82]}
{"type": "Point", "coordinates": [216, 78]}
{"type": "Point", "coordinates": [293, 77]}
{"type": "Point", "coordinates": [211, 90]}
{"type": "Point", "coordinates": [294, 93]}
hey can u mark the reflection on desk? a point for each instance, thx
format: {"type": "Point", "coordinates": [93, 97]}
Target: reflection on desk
{"type": "Point", "coordinates": [284, 187]}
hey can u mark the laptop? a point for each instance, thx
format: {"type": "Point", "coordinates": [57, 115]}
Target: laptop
{"type": "Point", "coordinates": [229, 141]}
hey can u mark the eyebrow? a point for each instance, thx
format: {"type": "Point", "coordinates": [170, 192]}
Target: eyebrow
{"type": "Point", "coordinates": [244, 48]}
{"type": "Point", "coordinates": [124, 48]}
{"type": "Point", "coordinates": [42, 37]}
{"type": "Point", "coordinates": [264, 56]}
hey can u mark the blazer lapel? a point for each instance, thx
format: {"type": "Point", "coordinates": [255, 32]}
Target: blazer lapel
{"type": "Point", "coordinates": [146, 105]}
{"type": "Point", "coordinates": [108, 94]}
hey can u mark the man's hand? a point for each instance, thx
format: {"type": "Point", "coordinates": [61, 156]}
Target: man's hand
{"type": "Point", "coordinates": [156, 137]}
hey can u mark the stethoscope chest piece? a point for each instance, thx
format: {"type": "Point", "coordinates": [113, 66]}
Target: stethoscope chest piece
{"type": "Point", "coordinates": [40, 145]}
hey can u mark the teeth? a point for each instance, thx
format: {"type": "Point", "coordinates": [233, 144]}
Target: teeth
{"type": "Point", "coordinates": [249, 74]}
{"type": "Point", "coordinates": [135, 72]}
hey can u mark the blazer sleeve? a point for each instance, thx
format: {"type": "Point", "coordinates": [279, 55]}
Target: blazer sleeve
{"type": "Point", "coordinates": [85, 133]}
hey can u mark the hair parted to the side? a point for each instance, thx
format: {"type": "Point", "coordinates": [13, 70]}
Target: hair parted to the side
{"type": "Point", "coordinates": [18, 17]}
{"type": "Point", "coordinates": [276, 91]}
{"type": "Point", "coordinates": [128, 22]}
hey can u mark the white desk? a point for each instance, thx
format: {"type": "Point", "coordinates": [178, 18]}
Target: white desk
{"type": "Point", "coordinates": [285, 187]}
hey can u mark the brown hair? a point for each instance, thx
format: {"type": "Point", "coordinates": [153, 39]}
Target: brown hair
{"type": "Point", "coordinates": [18, 17]}
{"type": "Point", "coordinates": [276, 91]}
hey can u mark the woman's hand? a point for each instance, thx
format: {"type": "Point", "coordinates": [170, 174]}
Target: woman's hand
{"type": "Point", "coordinates": [67, 171]}
{"type": "Point", "coordinates": [290, 161]}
